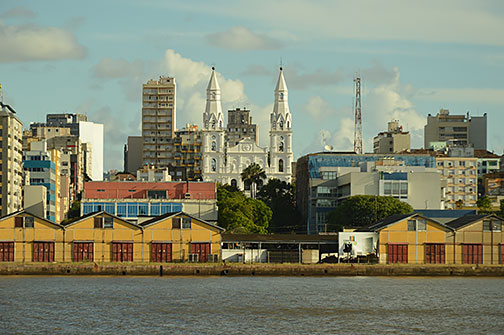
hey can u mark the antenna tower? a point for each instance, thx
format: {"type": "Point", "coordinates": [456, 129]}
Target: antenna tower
{"type": "Point", "coordinates": [358, 118]}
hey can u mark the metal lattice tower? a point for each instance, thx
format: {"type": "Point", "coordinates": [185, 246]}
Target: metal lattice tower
{"type": "Point", "coordinates": [358, 117]}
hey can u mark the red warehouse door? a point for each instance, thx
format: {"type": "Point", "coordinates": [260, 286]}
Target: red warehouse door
{"type": "Point", "coordinates": [202, 250]}
{"type": "Point", "coordinates": [472, 254]}
{"type": "Point", "coordinates": [6, 251]}
{"type": "Point", "coordinates": [43, 251]}
{"type": "Point", "coordinates": [83, 251]}
{"type": "Point", "coordinates": [434, 253]}
{"type": "Point", "coordinates": [397, 253]}
{"type": "Point", "coordinates": [122, 251]}
{"type": "Point", "coordinates": [161, 252]}
{"type": "Point", "coordinates": [501, 258]}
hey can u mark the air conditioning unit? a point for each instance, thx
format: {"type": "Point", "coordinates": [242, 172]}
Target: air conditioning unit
{"type": "Point", "coordinates": [193, 258]}
{"type": "Point", "coordinates": [213, 258]}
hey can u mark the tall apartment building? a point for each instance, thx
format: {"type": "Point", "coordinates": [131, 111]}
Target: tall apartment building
{"type": "Point", "coordinates": [456, 129]}
{"type": "Point", "coordinates": [240, 126]}
{"type": "Point", "coordinates": [158, 121]}
{"type": "Point", "coordinates": [394, 140]}
{"type": "Point", "coordinates": [89, 132]}
{"type": "Point", "coordinates": [187, 154]}
{"type": "Point", "coordinates": [460, 175]}
{"type": "Point", "coordinates": [43, 167]}
{"type": "Point", "coordinates": [133, 154]}
{"type": "Point", "coordinates": [11, 144]}
{"type": "Point", "coordinates": [72, 161]}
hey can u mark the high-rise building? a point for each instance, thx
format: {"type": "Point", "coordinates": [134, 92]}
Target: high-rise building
{"type": "Point", "coordinates": [88, 132]}
{"type": "Point", "coordinates": [456, 129]}
{"type": "Point", "coordinates": [394, 140]}
{"type": "Point", "coordinates": [11, 143]}
{"type": "Point", "coordinates": [43, 168]}
{"type": "Point", "coordinates": [133, 154]}
{"type": "Point", "coordinates": [240, 126]}
{"type": "Point", "coordinates": [187, 154]}
{"type": "Point", "coordinates": [158, 121]}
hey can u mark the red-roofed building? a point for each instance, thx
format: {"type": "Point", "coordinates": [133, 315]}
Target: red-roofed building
{"type": "Point", "coordinates": [131, 200]}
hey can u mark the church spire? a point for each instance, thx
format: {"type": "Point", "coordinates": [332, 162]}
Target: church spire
{"type": "Point", "coordinates": [281, 117]}
{"type": "Point", "coordinates": [213, 117]}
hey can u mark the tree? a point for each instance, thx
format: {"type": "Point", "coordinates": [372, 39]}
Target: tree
{"type": "Point", "coordinates": [253, 175]}
{"type": "Point", "coordinates": [484, 204]}
{"type": "Point", "coordinates": [280, 197]}
{"type": "Point", "coordinates": [237, 213]}
{"type": "Point", "coordinates": [364, 210]}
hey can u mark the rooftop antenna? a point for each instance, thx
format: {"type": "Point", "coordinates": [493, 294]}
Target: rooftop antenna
{"type": "Point", "coordinates": [358, 117]}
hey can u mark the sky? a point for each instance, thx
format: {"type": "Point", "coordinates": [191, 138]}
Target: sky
{"type": "Point", "coordinates": [413, 58]}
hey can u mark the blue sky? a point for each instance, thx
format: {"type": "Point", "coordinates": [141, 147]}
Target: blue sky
{"type": "Point", "coordinates": [414, 57]}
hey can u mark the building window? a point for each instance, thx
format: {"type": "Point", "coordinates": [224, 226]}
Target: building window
{"type": "Point", "coordinates": [329, 175]}
{"type": "Point", "coordinates": [417, 225]}
{"type": "Point", "coordinates": [108, 222]}
{"type": "Point", "coordinates": [280, 165]}
{"type": "Point", "coordinates": [214, 146]}
{"type": "Point", "coordinates": [214, 165]}
{"type": "Point", "coordinates": [411, 225]}
{"type": "Point", "coordinates": [492, 225]}
{"type": "Point", "coordinates": [281, 147]}
{"type": "Point", "coordinates": [234, 183]}
{"type": "Point", "coordinates": [186, 223]}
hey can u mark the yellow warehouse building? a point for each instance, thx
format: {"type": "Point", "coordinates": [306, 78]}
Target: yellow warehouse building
{"type": "Point", "coordinates": [102, 237]}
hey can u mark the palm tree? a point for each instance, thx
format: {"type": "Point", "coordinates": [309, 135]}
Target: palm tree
{"type": "Point", "coordinates": [253, 174]}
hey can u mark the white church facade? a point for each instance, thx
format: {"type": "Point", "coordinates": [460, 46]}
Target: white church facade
{"type": "Point", "coordinates": [224, 163]}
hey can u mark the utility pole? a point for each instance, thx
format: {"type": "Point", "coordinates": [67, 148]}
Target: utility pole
{"type": "Point", "coordinates": [358, 117]}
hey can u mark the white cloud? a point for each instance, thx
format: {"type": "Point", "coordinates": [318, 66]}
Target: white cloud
{"type": "Point", "coordinates": [242, 38]}
{"type": "Point", "coordinates": [473, 95]}
{"type": "Point", "coordinates": [19, 11]}
{"type": "Point", "coordinates": [452, 21]}
{"type": "Point", "coordinates": [192, 79]}
{"type": "Point", "coordinates": [118, 68]}
{"type": "Point", "coordinates": [380, 104]}
{"type": "Point", "coordinates": [33, 43]}
{"type": "Point", "coordinates": [318, 108]}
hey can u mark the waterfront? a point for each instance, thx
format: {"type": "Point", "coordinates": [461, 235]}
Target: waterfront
{"type": "Point", "coordinates": [250, 305]}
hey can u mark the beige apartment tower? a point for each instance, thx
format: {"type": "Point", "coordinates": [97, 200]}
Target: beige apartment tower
{"type": "Point", "coordinates": [11, 144]}
{"type": "Point", "coordinates": [456, 130]}
{"type": "Point", "coordinates": [158, 121]}
{"type": "Point", "coordinates": [394, 140]}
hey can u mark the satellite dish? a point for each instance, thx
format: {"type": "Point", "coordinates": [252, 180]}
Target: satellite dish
{"type": "Point", "coordinates": [328, 147]}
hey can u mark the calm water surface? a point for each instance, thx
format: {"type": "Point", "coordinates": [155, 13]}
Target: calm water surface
{"type": "Point", "coordinates": [251, 305]}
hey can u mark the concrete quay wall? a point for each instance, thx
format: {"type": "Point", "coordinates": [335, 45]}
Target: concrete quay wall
{"type": "Point", "coordinates": [219, 269]}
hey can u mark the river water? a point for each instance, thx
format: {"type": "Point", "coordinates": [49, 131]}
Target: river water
{"type": "Point", "coordinates": [251, 305]}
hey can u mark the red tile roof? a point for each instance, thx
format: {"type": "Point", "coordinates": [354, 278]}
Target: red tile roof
{"type": "Point", "coordinates": [138, 190]}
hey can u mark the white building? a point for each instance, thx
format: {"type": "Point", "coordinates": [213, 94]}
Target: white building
{"type": "Point", "coordinates": [224, 162]}
{"type": "Point", "coordinates": [90, 132]}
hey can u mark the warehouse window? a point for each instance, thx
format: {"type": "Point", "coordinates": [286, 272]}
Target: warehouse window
{"type": "Point", "coordinates": [186, 223]}
{"type": "Point", "coordinates": [176, 223]}
{"type": "Point", "coordinates": [109, 223]}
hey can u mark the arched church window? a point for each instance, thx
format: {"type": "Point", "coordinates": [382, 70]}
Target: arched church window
{"type": "Point", "coordinates": [220, 124]}
{"type": "Point", "coordinates": [213, 124]}
{"type": "Point", "coordinates": [288, 124]}
{"type": "Point", "coordinates": [280, 165]}
{"type": "Point", "coordinates": [214, 146]}
{"type": "Point", "coordinates": [281, 124]}
{"type": "Point", "coordinates": [281, 147]}
{"type": "Point", "coordinates": [234, 183]}
{"type": "Point", "coordinates": [246, 185]}
{"type": "Point", "coordinates": [214, 165]}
